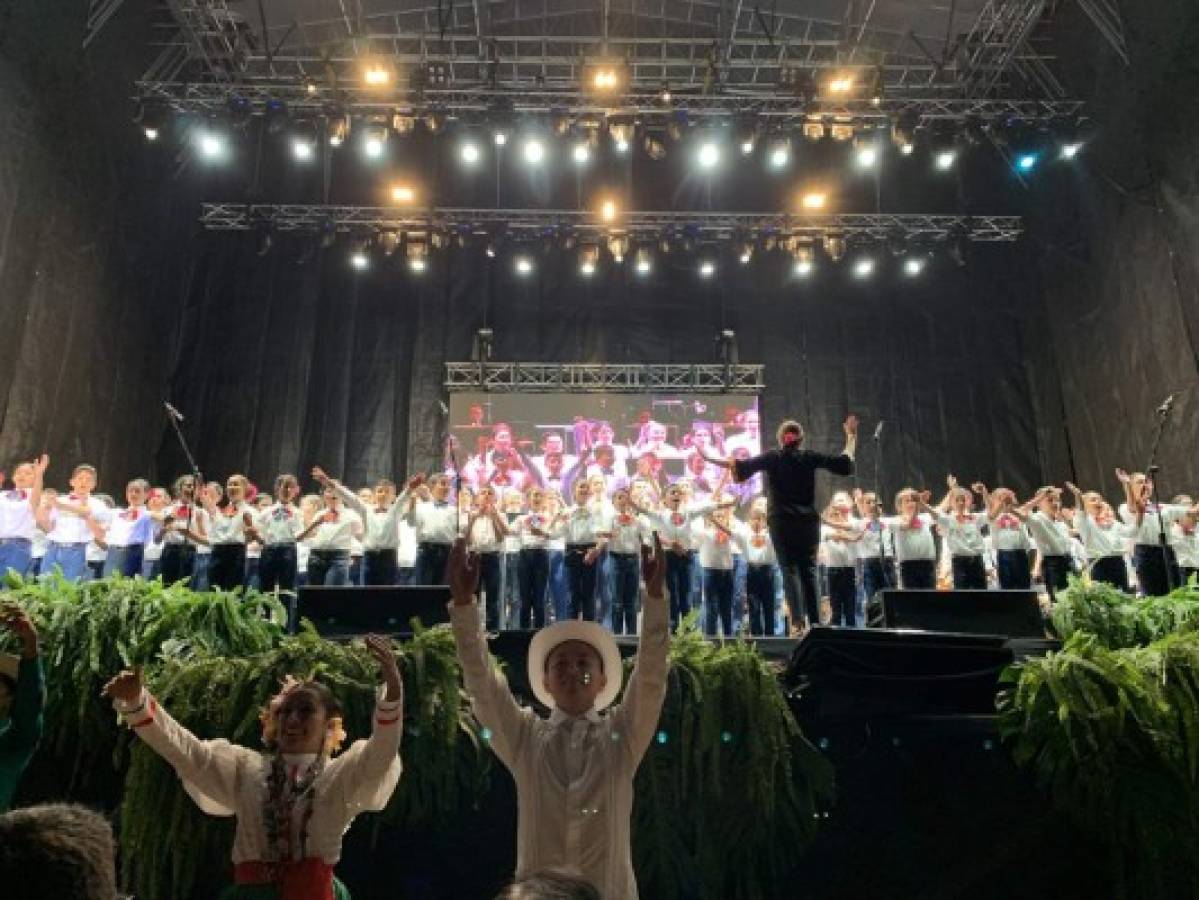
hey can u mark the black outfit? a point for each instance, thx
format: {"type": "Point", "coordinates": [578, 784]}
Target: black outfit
{"type": "Point", "coordinates": [792, 518]}
{"type": "Point", "coordinates": [227, 566]}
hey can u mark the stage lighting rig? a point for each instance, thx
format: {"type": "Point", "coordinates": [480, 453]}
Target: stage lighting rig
{"type": "Point", "coordinates": [608, 210]}
{"type": "Point", "coordinates": [621, 131]}
{"type": "Point", "coordinates": [913, 266]}
{"type": "Point", "coordinates": [359, 258]}
{"type": "Point", "coordinates": [779, 152]}
{"type": "Point", "coordinates": [374, 140]}
{"type": "Point", "coordinates": [814, 129]}
{"type": "Point", "coordinates": [805, 259]}
{"type": "Point", "coordinates": [863, 267]}
{"type": "Point", "coordinates": [404, 194]}
{"type": "Point", "coordinates": [523, 265]}
{"type": "Point", "coordinates": [153, 118]}
{"type": "Point", "coordinates": [835, 246]}
{"type": "Point", "coordinates": [605, 77]}
{"type": "Point", "coordinates": [643, 261]}
{"type": "Point", "coordinates": [708, 154]}
{"type": "Point", "coordinates": [707, 268]}
{"type": "Point", "coordinates": [469, 152]}
{"type": "Point", "coordinates": [376, 74]}
{"type": "Point", "coordinates": [304, 141]}
{"type": "Point", "coordinates": [588, 259]}
{"type": "Point", "coordinates": [726, 347]}
{"type": "Point", "coordinates": [481, 345]}
{"type": "Point", "coordinates": [618, 246]}
{"type": "Point", "coordinates": [213, 144]}
{"type": "Point", "coordinates": [534, 151]}
{"type": "Point", "coordinates": [814, 201]}
{"type": "Point", "coordinates": [417, 252]}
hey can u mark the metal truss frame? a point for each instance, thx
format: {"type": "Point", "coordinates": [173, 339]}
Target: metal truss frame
{"type": "Point", "coordinates": [591, 378]}
{"type": "Point", "coordinates": [532, 223]}
{"type": "Point", "coordinates": [476, 104]}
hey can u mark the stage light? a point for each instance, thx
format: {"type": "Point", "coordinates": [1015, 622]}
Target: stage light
{"type": "Point", "coordinates": [582, 153]}
{"type": "Point", "coordinates": [310, 87]}
{"type": "Point", "coordinates": [865, 156]}
{"type": "Point", "coordinates": [780, 153]}
{"type": "Point", "coordinates": [655, 147]}
{"type": "Point", "coordinates": [534, 151]}
{"type": "Point", "coordinates": [842, 84]}
{"type": "Point", "coordinates": [913, 266]}
{"type": "Point", "coordinates": [747, 147]}
{"type": "Point", "coordinates": [834, 247]}
{"type": "Point", "coordinates": [1026, 162]}
{"type": "Point", "coordinates": [907, 148]}
{"type": "Point", "coordinates": [376, 75]}
{"type": "Point", "coordinates": [339, 130]}
{"type": "Point", "coordinates": [841, 131]}
{"type": "Point", "coordinates": [643, 261]}
{"type": "Point", "coordinates": [814, 201]}
{"type": "Point", "coordinates": [151, 134]}
{"type": "Point", "coordinates": [501, 138]}
{"type": "Point", "coordinates": [402, 193]}
{"type": "Point", "coordinates": [588, 259]}
{"type": "Point", "coordinates": [212, 146]}
{"type": "Point", "coordinates": [470, 153]}
{"type": "Point", "coordinates": [813, 129]}
{"type": "Point", "coordinates": [707, 268]}
{"type": "Point", "coordinates": [709, 155]}
{"type": "Point", "coordinates": [622, 135]}
{"type": "Point", "coordinates": [805, 260]}
{"type": "Point", "coordinates": [301, 149]}
{"type": "Point", "coordinates": [945, 159]}
{"type": "Point", "coordinates": [359, 260]}
{"type": "Point", "coordinates": [418, 256]}
{"type": "Point", "coordinates": [605, 78]}
{"type": "Point", "coordinates": [374, 140]}
{"type": "Point", "coordinates": [863, 268]}
{"type": "Point", "coordinates": [1069, 151]}
{"type": "Point", "coordinates": [523, 265]}
{"type": "Point", "coordinates": [803, 268]}
{"type": "Point", "coordinates": [665, 96]}
{"type": "Point", "coordinates": [608, 210]}
{"type": "Point", "coordinates": [618, 245]}
{"type": "Point", "coordinates": [490, 249]}
{"type": "Point", "coordinates": [746, 254]}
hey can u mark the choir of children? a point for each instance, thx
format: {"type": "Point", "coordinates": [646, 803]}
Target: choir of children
{"type": "Point", "coordinates": [545, 557]}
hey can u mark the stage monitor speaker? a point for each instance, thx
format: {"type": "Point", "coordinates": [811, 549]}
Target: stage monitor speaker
{"type": "Point", "coordinates": [350, 611]}
{"type": "Point", "coordinates": [1015, 614]}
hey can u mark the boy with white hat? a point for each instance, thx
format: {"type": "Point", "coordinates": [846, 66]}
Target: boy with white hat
{"type": "Point", "coordinates": [573, 771]}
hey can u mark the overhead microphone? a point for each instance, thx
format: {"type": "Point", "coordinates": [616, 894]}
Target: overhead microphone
{"type": "Point", "coordinates": [1167, 405]}
{"type": "Point", "coordinates": [878, 430]}
{"type": "Point", "coordinates": [173, 413]}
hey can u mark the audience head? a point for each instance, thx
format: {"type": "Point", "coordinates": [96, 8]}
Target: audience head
{"type": "Point", "coordinates": [57, 851]}
{"type": "Point", "coordinates": [550, 885]}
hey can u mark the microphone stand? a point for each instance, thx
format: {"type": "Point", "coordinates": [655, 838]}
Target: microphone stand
{"type": "Point", "coordinates": [1151, 470]}
{"type": "Point", "coordinates": [880, 493]}
{"type": "Point", "coordinates": [191, 461]}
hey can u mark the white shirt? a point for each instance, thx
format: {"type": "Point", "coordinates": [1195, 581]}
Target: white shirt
{"type": "Point", "coordinates": [406, 551]}
{"type": "Point", "coordinates": [913, 537]}
{"type": "Point", "coordinates": [757, 546]}
{"type": "Point", "coordinates": [17, 514]}
{"type": "Point", "coordinates": [874, 533]}
{"type": "Point", "coordinates": [580, 525]}
{"type": "Point", "coordinates": [435, 522]}
{"type": "Point", "coordinates": [130, 527]}
{"type": "Point", "coordinates": [1186, 545]}
{"type": "Point", "coordinates": [279, 524]}
{"type": "Point", "coordinates": [525, 525]}
{"type": "Point", "coordinates": [1150, 529]}
{"type": "Point", "coordinates": [837, 552]}
{"type": "Point", "coordinates": [225, 779]}
{"type": "Point", "coordinates": [574, 776]}
{"type": "Point", "coordinates": [677, 526]}
{"type": "Point", "coordinates": [1009, 533]}
{"type": "Point", "coordinates": [627, 532]}
{"type": "Point", "coordinates": [381, 526]}
{"type": "Point", "coordinates": [714, 546]}
{"type": "Point", "coordinates": [68, 528]}
{"type": "Point", "coordinates": [963, 534]}
{"type": "Point", "coordinates": [178, 511]}
{"type": "Point", "coordinates": [1051, 537]}
{"type": "Point", "coordinates": [337, 535]}
{"type": "Point", "coordinates": [228, 525]}
{"type": "Point", "coordinates": [1099, 541]}
{"type": "Point", "coordinates": [482, 535]}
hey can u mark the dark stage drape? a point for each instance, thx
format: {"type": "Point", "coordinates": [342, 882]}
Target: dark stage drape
{"type": "Point", "coordinates": [282, 362]}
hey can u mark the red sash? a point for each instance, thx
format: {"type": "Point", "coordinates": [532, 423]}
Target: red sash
{"type": "Point", "coordinates": [306, 879]}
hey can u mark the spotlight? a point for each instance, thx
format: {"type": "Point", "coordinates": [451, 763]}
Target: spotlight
{"type": "Point", "coordinates": [865, 156]}
{"type": "Point", "coordinates": [418, 256]}
{"type": "Point", "coordinates": [534, 151]}
{"type": "Point", "coordinates": [805, 258]}
{"type": "Point", "coordinates": [907, 148]}
{"type": "Point", "coordinates": [523, 265]}
{"type": "Point", "coordinates": [803, 268]}
{"type": "Point", "coordinates": [709, 155]}
{"type": "Point", "coordinates": [643, 262]}
{"type": "Point", "coordinates": [780, 153]}
{"type": "Point", "coordinates": [402, 193]}
{"type": "Point", "coordinates": [747, 147]}
{"type": "Point", "coordinates": [618, 245]}
{"type": "Point", "coordinates": [813, 129]}
{"type": "Point", "coordinates": [913, 266]}
{"type": "Point", "coordinates": [374, 140]}
{"type": "Point", "coordinates": [1026, 162]}
{"type": "Point", "coordinates": [376, 75]}
{"type": "Point", "coordinates": [301, 149]}
{"type": "Point", "coordinates": [834, 247]}
{"type": "Point", "coordinates": [359, 260]}
{"type": "Point", "coordinates": [622, 135]}
{"type": "Point", "coordinates": [707, 268]}
{"type": "Point", "coordinates": [814, 201]}
{"type": "Point", "coordinates": [213, 146]}
{"type": "Point", "coordinates": [608, 210]}
{"type": "Point", "coordinates": [746, 254]}
{"type": "Point", "coordinates": [1068, 151]}
{"type": "Point", "coordinates": [945, 159]}
{"type": "Point", "coordinates": [582, 153]}
{"type": "Point", "coordinates": [863, 268]}
{"type": "Point", "coordinates": [588, 260]}
{"type": "Point", "coordinates": [151, 133]}
{"type": "Point", "coordinates": [604, 78]}
{"type": "Point", "coordinates": [655, 147]}
{"type": "Point", "coordinates": [842, 84]}
{"type": "Point", "coordinates": [501, 138]}
{"type": "Point", "coordinates": [339, 130]}
{"type": "Point", "coordinates": [470, 153]}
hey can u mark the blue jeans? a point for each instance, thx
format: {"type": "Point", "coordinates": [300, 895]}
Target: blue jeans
{"type": "Point", "coordinates": [16, 555]}
{"type": "Point", "coordinates": [759, 588]}
{"type": "Point", "coordinates": [1015, 573]}
{"type": "Point", "coordinates": [626, 573]}
{"type": "Point", "coordinates": [718, 601]}
{"type": "Point", "coordinates": [603, 590]}
{"type": "Point", "coordinates": [510, 608]}
{"type": "Point", "coordinates": [559, 590]}
{"type": "Point", "coordinates": [534, 573]}
{"type": "Point", "coordinates": [71, 559]}
{"type": "Point", "coordinates": [125, 560]}
{"type": "Point", "coordinates": [739, 590]}
{"type": "Point", "coordinates": [277, 568]}
{"type": "Point", "coordinates": [329, 567]}
{"type": "Point", "coordinates": [200, 575]}
{"type": "Point", "coordinates": [490, 580]}
{"type": "Point", "coordinates": [581, 578]}
{"type": "Point", "coordinates": [679, 571]}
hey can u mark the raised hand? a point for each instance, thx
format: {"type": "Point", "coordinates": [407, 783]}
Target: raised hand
{"type": "Point", "coordinates": [851, 426]}
{"type": "Point", "coordinates": [319, 474]}
{"type": "Point", "coordinates": [464, 574]}
{"type": "Point", "coordinates": [925, 497]}
{"type": "Point", "coordinates": [126, 687]}
{"type": "Point", "coordinates": [384, 653]}
{"type": "Point", "coordinates": [1122, 476]}
{"type": "Point", "coordinates": [42, 464]}
{"type": "Point", "coordinates": [653, 569]}
{"type": "Point", "coordinates": [415, 481]}
{"type": "Point", "coordinates": [979, 488]}
{"type": "Point", "coordinates": [951, 482]}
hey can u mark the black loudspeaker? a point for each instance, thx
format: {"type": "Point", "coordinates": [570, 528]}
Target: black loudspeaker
{"type": "Point", "coordinates": [1014, 614]}
{"type": "Point", "coordinates": [351, 610]}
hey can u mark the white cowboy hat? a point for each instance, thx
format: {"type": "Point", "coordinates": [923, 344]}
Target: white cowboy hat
{"type": "Point", "coordinates": [590, 633]}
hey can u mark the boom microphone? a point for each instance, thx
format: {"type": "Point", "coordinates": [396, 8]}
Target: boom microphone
{"type": "Point", "coordinates": [878, 430]}
{"type": "Point", "coordinates": [1167, 405]}
{"type": "Point", "coordinates": [173, 413]}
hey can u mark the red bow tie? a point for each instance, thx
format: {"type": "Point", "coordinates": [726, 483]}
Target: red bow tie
{"type": "Point", "coordinates": [758, 541]}
{"type": "Point", "coordinates": [721, 537]}
{"type": "Point", "coordinates": [625, 519]}
{"type": "Point", "coordinates": [130, 515]}
{"type": "Point", "coordinates": [677, 519]}
{"type": "Point", "coordinates": [915, 524]}
{"type": "Point", "coordinates": [282, 512]}
{"type": "Point", "coordinates": [181, 512]}
{"type": "Point", "coordinates": [330, 516]}
{"type": "Point", "coordinates": [18, 494]}
{"type": "Point", "coordinates": [1008, 522]}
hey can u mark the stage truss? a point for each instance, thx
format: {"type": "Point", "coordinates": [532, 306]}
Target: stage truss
{"type": "Point", "coordinates": [588, 378]}
{"type": "Point", "coordinates": [532, 224]}
{"type": "Point", "coordinates": [970, 58]}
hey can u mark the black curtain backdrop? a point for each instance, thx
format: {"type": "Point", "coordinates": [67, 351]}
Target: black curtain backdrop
{"type": "Point", "coordinates": [282, 363]}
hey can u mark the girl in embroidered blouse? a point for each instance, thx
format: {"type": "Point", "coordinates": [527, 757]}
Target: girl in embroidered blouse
{"type": "Point", "coordinates": [294, 802]}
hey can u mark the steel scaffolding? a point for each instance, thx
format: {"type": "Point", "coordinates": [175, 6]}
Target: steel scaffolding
{"type": "Point", "coordinates": [583, 378]}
